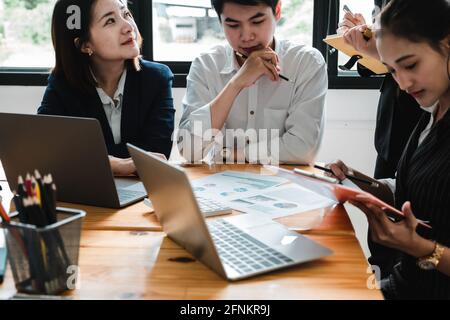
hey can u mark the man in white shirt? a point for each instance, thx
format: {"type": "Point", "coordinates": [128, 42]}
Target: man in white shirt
{"type": "Point", "coordinates": [236, 99]}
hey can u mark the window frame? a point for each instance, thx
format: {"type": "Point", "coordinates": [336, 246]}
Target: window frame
{"type": "Point", "coordinates": [326, 18]}
{"type": "Point", "coordinates": [326, 15]}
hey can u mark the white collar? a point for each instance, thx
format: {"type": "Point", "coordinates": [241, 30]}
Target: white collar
{"type": "Point", "coordinates": [119, 91]}
{"type": "Point", "coordinates": [431, 109]}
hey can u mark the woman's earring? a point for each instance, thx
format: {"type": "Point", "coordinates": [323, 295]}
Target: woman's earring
{"type": "Point", "coordinates": [90, 53]}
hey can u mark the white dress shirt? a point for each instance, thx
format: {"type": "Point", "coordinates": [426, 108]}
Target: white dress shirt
{"type": "Point", "coordinates": [295, 108]}
{"type": "Point", "coordinates": [113, 107]}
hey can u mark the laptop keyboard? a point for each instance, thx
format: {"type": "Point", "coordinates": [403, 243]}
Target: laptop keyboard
{"type": "Point", "coordinates": [210, 207]}
{"type": "Point", "coordinates": [241, 251]}
{"type": "Point", "coordinates": [127, 195]}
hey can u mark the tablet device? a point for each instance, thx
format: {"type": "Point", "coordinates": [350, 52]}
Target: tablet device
{"type": "Point", "coordinates": [331, 188]}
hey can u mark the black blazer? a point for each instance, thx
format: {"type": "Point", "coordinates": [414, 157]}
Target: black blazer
{"type": "Point", "coordinates": [147, 109]}
{"type": "Point", "coordinates": [397, 115]}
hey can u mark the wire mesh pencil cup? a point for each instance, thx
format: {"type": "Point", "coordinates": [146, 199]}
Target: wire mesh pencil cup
{"type": "Point", "coordinates": [43, 260]}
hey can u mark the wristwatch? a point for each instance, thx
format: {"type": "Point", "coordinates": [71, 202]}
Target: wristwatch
{"type": "Point", "coordinates": [431, 262]}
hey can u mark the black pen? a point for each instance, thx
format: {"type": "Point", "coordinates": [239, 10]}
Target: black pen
{"type": "Point", "coordinates": [245, 57]}
{"type": "Point", "coordinates": [371, 183]}
{"type": "Point", "coordinates": [347, 10]}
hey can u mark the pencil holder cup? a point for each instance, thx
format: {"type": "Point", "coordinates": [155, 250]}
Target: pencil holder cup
{"type": "Point", "coordinates": [45, 260]}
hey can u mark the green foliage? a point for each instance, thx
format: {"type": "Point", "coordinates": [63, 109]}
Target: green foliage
{"type": "Point", "coordinates": [293, 6]}
{"type": "Point", "coordinates": [12, 3]}
{"type": "Point", "coordinates": [30, 20]}
{"type": "Point", "coordinates": [32, 4]}
{"type": "Point", "coordinates": [2, 33]}
{"type": "Point", "coordinates": [27, 4]}
{"type": "Point", "coordinates": [296, 21]}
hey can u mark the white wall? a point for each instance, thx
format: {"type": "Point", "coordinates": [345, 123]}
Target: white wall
{"type": "Point", "coordinates": [349, 126]}
{"type": "Point", "coordinates": [348, 133]}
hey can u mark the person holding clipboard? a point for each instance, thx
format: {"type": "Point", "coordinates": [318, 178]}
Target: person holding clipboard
{"type": "Point", "coordinates": [398, 112]}
{"type": "Point", "coordinates": [413, 41]}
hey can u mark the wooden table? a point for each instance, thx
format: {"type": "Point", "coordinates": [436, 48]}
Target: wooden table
{"type": "Point", "coordinates": [125, 255]}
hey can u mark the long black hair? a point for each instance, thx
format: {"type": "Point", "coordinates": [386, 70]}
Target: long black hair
{"type": "Point", "coordinates": [417, 21]}
{"type": "Point", "coordinates": [70, 62]}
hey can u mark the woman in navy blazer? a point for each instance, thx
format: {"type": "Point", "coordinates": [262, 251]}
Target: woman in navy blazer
{"type": "Point", "coordinates": [99, 74]}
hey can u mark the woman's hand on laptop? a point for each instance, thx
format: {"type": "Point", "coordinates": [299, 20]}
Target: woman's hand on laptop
{"type": "Point", "coordinates": [122, 167]}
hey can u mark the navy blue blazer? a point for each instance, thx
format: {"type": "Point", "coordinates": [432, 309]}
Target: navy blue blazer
{"type": "Point", "coordinates": [147, 108]}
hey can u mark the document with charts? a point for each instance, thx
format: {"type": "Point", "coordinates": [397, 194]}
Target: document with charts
{"type": "Point", "coordinates": [231, 184]}
{"type": "Point", "coordinates": [271, 196]}
{"type": "Point", "coordinates": [281, 201]}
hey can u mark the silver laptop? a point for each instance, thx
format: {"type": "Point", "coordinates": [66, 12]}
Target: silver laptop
{"type": "Point", "coordinates": [73, 151]}
{"type": "Point", "coordinates": [236, 247]}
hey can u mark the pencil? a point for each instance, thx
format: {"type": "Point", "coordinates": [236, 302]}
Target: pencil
{"type": "Point", "coordinates": [3, 214]}
{"type": "Point", "coordinates": [21, 191]}
{"type": "Point", "coordinates": [28, 186]}
{"type": "Point", "coordinates": [353, 178]}
{"type": "Point", "coordinates": [245, 57]}
{"type": "Point", "coordinates": [367, 33]}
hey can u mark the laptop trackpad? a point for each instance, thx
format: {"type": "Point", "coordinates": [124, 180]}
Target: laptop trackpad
{"type": "Point", "coordinates": [288, 242]}
{"type": "Point", "coordinates": [131, 184]}
{"type": "Point", "coordinates": [264, 229]}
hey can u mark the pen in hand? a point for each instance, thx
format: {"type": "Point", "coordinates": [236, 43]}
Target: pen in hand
{"type": "Point", "coordinates": [347, 10]}
{"type": "Point", "coordinates": [245, 57]}
{"type": "Point", "coordinates": [353, 178]}
{"type": "Point", "coordinates": [367, 33]}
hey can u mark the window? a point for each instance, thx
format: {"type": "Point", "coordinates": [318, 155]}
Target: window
{"type": "Point", "coordinates": [174, 32]}
{"type": "Point", "coordinates": [25, 38]}
{"type": "Point", "coordinates": [183, 29]}
{"type": "Point", "coordinates": [331, 12]}
{"type": "Point", "coordinates": [356, 6]}
{"type": "Point", "coordinates": [297, 20]}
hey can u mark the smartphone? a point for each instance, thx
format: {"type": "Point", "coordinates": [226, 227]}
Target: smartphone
{"type": "Point", "coordinates": [343, 193]}
{"type": "Point", "coordinates": [392, 213]}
